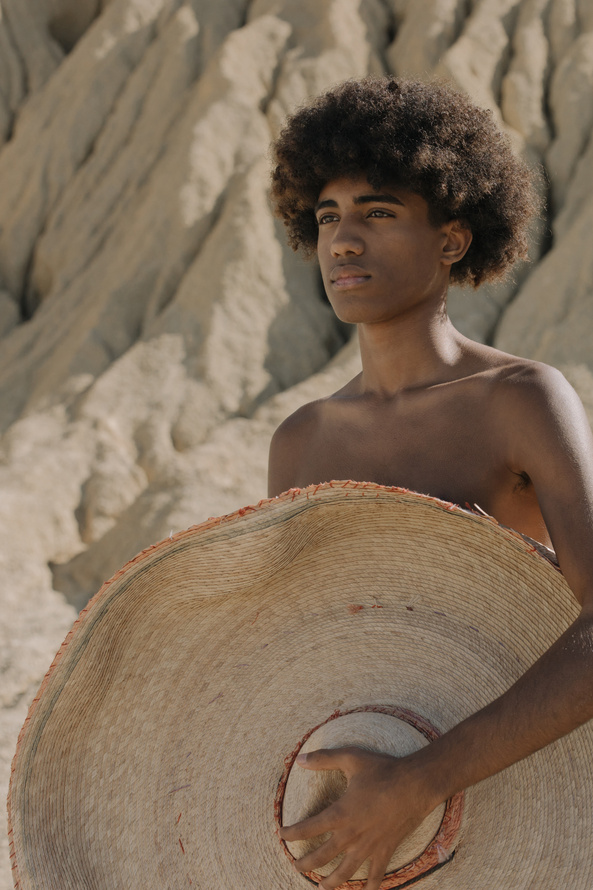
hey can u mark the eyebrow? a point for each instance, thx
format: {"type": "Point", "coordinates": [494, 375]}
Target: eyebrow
{"type": "Point", "coordinates": [362, 199]}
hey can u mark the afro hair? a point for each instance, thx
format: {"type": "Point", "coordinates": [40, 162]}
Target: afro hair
{"type": "Point", "coordinates": [423, 136]}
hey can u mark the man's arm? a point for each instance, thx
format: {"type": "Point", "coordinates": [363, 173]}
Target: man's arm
{"type": "Point", "coordinates": [548, 437]}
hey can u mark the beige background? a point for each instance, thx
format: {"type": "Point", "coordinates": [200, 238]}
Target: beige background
{"type": "Point", "coordinates": [168, 329]}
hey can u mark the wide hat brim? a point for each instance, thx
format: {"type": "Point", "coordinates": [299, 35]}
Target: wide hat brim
{"type": "Point", "coordinates": [160, 745]}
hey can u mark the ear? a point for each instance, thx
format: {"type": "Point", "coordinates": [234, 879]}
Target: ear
{"type": "Point", "coordinates": [457, 239]}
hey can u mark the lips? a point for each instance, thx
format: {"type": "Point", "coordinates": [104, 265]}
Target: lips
{"type": "Point", "coordinates": [343, 276]}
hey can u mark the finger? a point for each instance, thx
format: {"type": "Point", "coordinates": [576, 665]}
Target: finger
{"type": "Point", "coordinates": [325, 758]}
{"type": "Point", "coordinates": [321, 856]}
{"type": "Point", "coordinates": [349, 866]}
{"type": "Point", "coordinates": [377, 869]}
{"type": "Point", "coordinates": [310, 827]}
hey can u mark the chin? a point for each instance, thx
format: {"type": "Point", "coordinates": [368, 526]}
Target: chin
{"type": "Point", "coordinates": [358, 314]}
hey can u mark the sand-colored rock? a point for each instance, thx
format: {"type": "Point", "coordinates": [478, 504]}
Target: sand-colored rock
{"type": "Point", "coordinates": [571, 101]}
{"type": "Point", "coordinates": [57, 128]}
{"type": "Point", "coordinates": [563, 27]}
{"type": "Point", "coordinates": [10, 314]}
{"type": "Point", "coordinates": [67, 20]}
{"type": "Point", "coordinates": [479, 57]}
{"type": "Point", "coordinates": [551, 320]}
{"type": "Point", "coordinates": [29, 55]}
{"type": "Point", "coordinates": [169, 327]}
{"type": "Point", "coordinates": [146, 250]}
{"type": "Point", "coordinates": [584, 15]}
{"type": "Point", "coordinates": [578, 195]}
{"type": "Point", "coordinates": [427, 28]}
{"type": "Point", "coordinates": [329, 43]}
{"type": "Point", "coordinates": [524, 86]}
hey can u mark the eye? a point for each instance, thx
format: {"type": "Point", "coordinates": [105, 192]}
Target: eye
{"type": "Point", "coordinates": [380, 214]}
{"type": "Point", "coordinates": [326, 218]}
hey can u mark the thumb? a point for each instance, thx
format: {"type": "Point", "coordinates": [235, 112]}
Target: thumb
{"type": "Point", "coordinates": [325, 758]}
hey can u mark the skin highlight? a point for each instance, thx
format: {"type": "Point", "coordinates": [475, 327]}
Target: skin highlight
{"type": "Point", "coordinates": [437, 413]}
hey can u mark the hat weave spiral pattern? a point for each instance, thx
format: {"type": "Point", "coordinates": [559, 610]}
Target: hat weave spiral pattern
{"type": "Point", "coordinates": [153, 752]}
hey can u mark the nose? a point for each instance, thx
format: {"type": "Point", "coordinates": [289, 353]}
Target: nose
{"type": "Point", "coordinates": [346, 240]}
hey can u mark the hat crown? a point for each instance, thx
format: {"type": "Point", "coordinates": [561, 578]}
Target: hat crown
{"type": "Point", "coordinates": [308, 792]}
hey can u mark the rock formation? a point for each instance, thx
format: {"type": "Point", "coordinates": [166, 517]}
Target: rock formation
{"type": "Point", "coordinates": [154, 326]}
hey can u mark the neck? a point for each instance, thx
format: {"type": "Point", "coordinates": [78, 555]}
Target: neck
{"type": "Point", "coordinates": [408, 352]}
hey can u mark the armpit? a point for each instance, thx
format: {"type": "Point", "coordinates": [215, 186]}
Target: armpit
{"type": "Point", "coordinates": [523, 482]}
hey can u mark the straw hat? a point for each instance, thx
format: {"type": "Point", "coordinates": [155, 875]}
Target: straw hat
{"type": "Point", "coordinates": [159, 751]}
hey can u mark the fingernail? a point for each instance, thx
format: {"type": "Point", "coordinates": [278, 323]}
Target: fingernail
{"type": "Point", "coordinates": [301, 758]}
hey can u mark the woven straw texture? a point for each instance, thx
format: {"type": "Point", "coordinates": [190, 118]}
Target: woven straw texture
{"type": "Point", "coordinates": [153, 752]}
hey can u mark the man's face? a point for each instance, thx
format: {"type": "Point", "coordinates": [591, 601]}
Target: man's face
{"type": "Point", "coordinates": [380, 256]}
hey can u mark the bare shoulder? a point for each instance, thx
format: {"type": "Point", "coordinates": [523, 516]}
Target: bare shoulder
{"type": "Point", "coordinates": [299, 424]}
{"type": "Point", "coordinates": [288, 443]}
{"type": "Point", "coordinates": [533, 410]}
{"type": "Point", "coordinates": [544, 425]}
{"type": "Point", "coordinates": [520, 384]}
{"type": "Point", "coordinates": [535, 392]}
{"type": "Point", "coordinates": [296, 436]}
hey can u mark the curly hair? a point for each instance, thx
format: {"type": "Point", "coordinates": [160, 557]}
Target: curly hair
{"type": "Point", "coordinates": [423, 136]}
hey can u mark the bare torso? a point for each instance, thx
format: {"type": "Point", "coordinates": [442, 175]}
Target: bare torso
{"type": "Point", "coordinates": [449, 440]}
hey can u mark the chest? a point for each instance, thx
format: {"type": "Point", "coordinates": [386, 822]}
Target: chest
{"type": "Point", "coordinates": [445, 447]}
{"type": "Point", "coordinates": [450, 446]}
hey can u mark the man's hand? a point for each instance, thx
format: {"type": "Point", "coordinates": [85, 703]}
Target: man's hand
{"type": "Point", "coordinates": [384, 802]}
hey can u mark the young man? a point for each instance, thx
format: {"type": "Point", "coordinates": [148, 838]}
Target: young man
{"type": "Point", "coordinates": [401, 187]}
